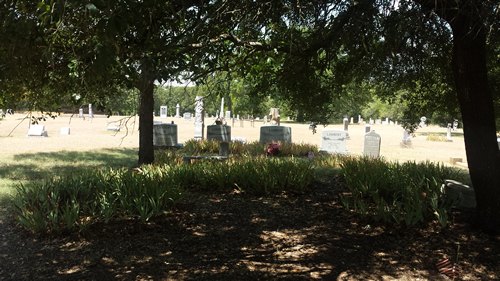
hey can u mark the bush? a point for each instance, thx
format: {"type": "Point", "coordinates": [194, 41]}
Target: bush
{"type": "Point", "coordinates": [390, 192]}
{"type": "Point", "coordinates": [73, 202]}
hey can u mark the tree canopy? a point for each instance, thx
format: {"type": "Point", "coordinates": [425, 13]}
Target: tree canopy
{"type": "Point", "coordinates": [312, 54]}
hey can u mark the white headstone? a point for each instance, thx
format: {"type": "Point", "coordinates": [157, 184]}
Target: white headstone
{"type": "Point", "coordinates": [91, 113]}
{"type": "Point", "coordinates": [187, 115]}
{"type": "Point", "coordinates": [37, 131]}
{"type": "Point", "coordinates": [448, 133]}
{"type": "Point", "coordinates": [228, 115]}
{"type": "Point", "coordinates": [334, 141]}
{"type": "Point", "coordinates": [199, 124]}
{"type": "Point", "coordinates": [80, 113]}
{"type": "Point", "coordinates": [346, 124]}
{"type": "Point", "coordinates": [163, 111]}
{"type": "Point", "coordinates": [177, 111]}
{"type": "Point", "coordinates": [221, 112]}
{"type": "Point", "coordinates": [371, 146]}
{"type": "Point", "coordinates": [423, 120]}
{"type": "Point", "coordinates": [64, 131]}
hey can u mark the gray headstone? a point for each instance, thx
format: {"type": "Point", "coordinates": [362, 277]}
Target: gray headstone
{"type": "Point", "coordinates": [165, 135]}
{"type": "Point", "coordinates": [459, 195]}
{"type": "Point", "coordinates": [219, 132]}
{"type": "Point", "coordinates": [368, 128]}
{"type": "Point", "coordinates": [334, 141]}
{"type": "Point", "coordinates": [187, 115]}
{"type": "Point", "coordinates": [269, 134]}
{"type": "Point", "coordinates": [372, 144]}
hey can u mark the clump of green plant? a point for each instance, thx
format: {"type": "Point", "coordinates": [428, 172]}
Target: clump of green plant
{"type": "Point", "coordinates": [73, 202]}
{"type": "Point", "coordinates": [404, 194]}
{"type": "Point", "coordinates": [236, 148]}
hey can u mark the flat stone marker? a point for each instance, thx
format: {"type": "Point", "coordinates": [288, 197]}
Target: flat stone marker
{"type": "Point", "coordinates": [164, 135]}
{"type": "Point", "coordinates": [37, 131]}
{"type": "Point", "coordinates": [269, 134]}
{"type": "Point", "coordinates": [64, 131]}
{"type": "Point", "coordinates": [372, 145]}
{"type": "Point", "coordinates": [219, 132]}
{"type": "Point", "coordinates": [334, 141]}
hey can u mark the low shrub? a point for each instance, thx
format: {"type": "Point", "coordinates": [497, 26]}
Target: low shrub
{"type": "Point", "coordinates": [73, 202]}
{"type": "Point", "coordinates": [406, 194]}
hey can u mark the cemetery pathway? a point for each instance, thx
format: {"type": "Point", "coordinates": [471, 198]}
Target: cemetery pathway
{"type": "Point", "coordinates": [242, 237]}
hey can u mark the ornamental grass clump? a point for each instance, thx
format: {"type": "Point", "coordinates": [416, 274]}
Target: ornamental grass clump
{"type": "Point", "coordinates": [404, 194]}
{"type": "Point", "coordinates": [73, 202]}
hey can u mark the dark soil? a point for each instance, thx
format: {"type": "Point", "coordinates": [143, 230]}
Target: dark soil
{"type": "Point", "coordinates": [238, 236]}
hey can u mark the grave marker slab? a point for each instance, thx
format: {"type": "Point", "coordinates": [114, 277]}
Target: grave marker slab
{"type": "Point", "coordinates": [270, 134]}
{"type": "Point", "coordinates": [163, 111]}
{"type": "Point", "coordinates": [199, 118]}
{"type": "Point", "coordinates": [164, 135]}
{"type": "Point", "coordinates": [219, 132]}
{"type": "Point", "coordinates": [64, 131]}
{"type": "Point", "coordinates": [334, 141]}
{"type": "Point", "coordinates": [37, 131]}
{"type": "Point", "coordinates": [371, 146]}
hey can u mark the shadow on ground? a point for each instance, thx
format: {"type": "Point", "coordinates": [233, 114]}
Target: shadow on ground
{"type": "Point", "coordinates": [32, 166]}
{"type": "Point", "coordinates": [242, 237]}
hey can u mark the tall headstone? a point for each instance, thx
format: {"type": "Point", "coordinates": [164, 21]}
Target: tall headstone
{"type": "Point", "coordinates": [163, 111]}
{"type": "Point", "coordinates": [164, 135]}
{"type": "Point", "coordinates": [80, 113]}
{"type": "Point", "coordinates": [199, 116]}
{"type": "Point", "coordinates": [227, 116]}
{"type": "Point", "coordinates": [455, 124]}
{"type": "Point", "coordinates": [352, 120]}
{"type": "Point", "coordinates": [334, 141]}
{"type": "Point", "coordinates": [221, 112]}
{"type": "Point", "coordinates": [346, 124]}
{"type": "Point", "coordinates": [269, 134]}
{"type": "Point", "coordinates": [177, 111]}
{"type": "Point", "coordinates": [448, 133]}
{"type": "Point", "coordinates": [91, 113]}
{"type": "Point", "coordinates": [371, 146]}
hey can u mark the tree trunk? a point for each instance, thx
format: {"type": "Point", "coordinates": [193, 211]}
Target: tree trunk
{"type": "Point", "coordinates": [146, 108]}
{"type": "Point", "coordinates": [476, 105]}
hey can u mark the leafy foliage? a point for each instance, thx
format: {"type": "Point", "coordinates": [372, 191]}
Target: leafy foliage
{"type": "Point", "coordinates": [402, 194]}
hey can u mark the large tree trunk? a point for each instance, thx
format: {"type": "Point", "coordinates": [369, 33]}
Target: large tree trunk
{"type": "Point", "coordinates": [146, 108]}
{"type": "Point", "coordinates": [476, 105]}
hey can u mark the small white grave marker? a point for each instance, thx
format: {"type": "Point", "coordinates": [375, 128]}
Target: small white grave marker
{"type": "Point", "coordinates": [64, 131]}
{"type": "Point", "coordinates": [37, 131]}
{"type": "Point", "coordinates": [334, 141]}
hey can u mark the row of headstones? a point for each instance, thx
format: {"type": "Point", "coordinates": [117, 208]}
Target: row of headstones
{"type": "Point", "coordinates": [333, 141]}
{"type": "Point", "coordinates": [166, 134]}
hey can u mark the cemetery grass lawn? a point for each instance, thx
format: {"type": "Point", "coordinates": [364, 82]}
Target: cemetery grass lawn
{"type": "Point", "coordinates": [237, 236]}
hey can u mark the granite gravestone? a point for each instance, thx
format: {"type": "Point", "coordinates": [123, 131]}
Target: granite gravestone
{"type": "Point", "coordinates": [371, 146]}
{"type": "Point", "coordinates": [334, 141]}
{"type": "Point", "coordinates": [219, 132]}
{"type": "Point", "coordinates": [269, 134]}
{"type": "Point", "coordinates": [164, 135]}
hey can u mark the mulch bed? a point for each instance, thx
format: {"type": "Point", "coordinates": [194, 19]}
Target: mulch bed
{"type": "Point", "coordinates": [238, 236]}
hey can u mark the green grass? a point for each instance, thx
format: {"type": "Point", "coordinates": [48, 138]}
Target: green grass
{"type": "Point", "coordinates": [27, 167]}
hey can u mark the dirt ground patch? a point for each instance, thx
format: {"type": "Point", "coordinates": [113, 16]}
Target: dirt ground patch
{"type": "Point", "coordinates": [242, 237]}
